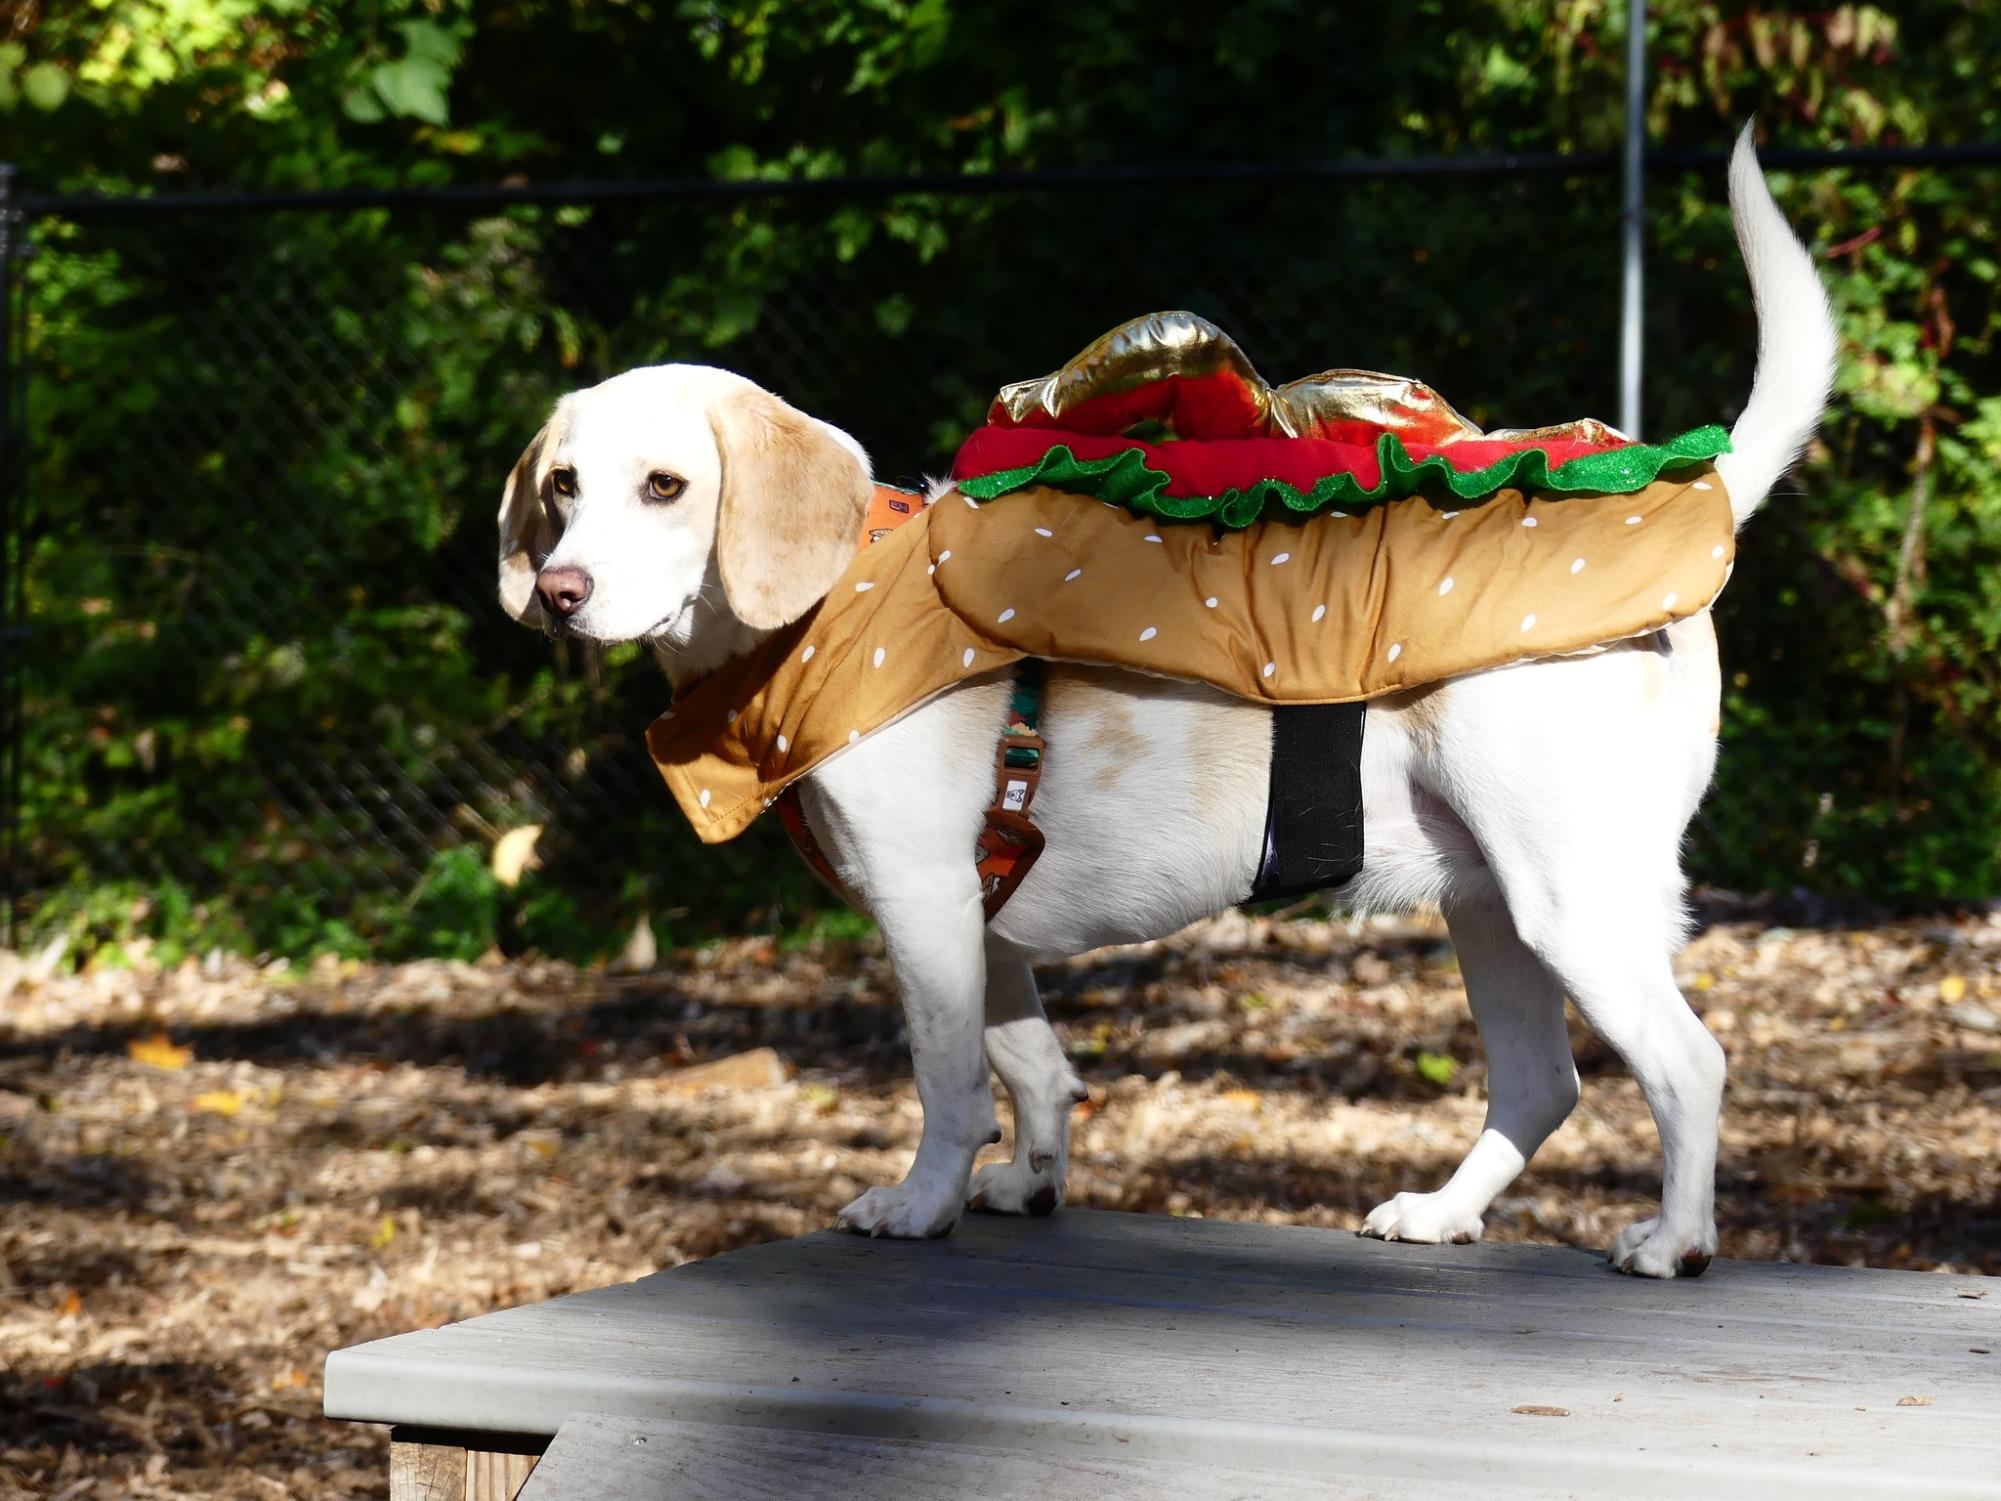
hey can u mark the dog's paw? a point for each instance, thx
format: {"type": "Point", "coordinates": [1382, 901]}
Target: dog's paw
{"type": "Point", "coordinates": [1431, 1219]}
{"type": "Point", "coordinates": [1016, 1188]}
{"type": "Point", "coordinates": [1646, 1250]}
{"type": "Point", "coordinates": [900, 1213]}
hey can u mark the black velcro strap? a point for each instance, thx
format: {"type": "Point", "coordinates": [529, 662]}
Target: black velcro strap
{"type": "Point", "coordinates": [1313, 818]}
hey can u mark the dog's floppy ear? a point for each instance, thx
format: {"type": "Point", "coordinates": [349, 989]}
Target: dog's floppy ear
{"type": "Point", "coordinates": [527, 535]}
{"type": "Point", "coordinates": [791, 509]}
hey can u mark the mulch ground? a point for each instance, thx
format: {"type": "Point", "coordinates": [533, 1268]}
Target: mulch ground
{"type": "Point", "coordinates": [212, 1175]}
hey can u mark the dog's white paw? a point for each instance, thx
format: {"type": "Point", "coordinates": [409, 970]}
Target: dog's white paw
{"type": "Point", "coordinates": [1645, 1250]}
{"type": "Point", "coordinates": [1015, 1187]}
{"type": "Point", "coordinates": [1432, 1219]}
{"type": "Point", "coordinates": [900, 1213]}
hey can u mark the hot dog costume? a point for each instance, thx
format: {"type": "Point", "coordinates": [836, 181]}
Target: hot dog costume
{"type": "Point", "coordinates": [1155, 505]}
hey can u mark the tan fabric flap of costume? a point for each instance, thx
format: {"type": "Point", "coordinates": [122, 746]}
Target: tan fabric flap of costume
{"type": "Point", "coordinates": [1332, 609]}
{"type": "Point", "coordinates": [881, 643]}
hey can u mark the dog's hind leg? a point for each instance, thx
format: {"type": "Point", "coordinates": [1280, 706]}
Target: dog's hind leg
{"type": "Point", "coordinates": [1615, 965]}
{"type": "Point", "coordinates": [1041, 1084]}
{"type": "Point", "coordinates": [1576, 778]}
{"type": "Point", "coordinates": [1531, 1079]}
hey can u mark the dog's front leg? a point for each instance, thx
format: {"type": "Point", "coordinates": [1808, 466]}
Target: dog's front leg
{"type": "Point", "coordinates": [933, 930]}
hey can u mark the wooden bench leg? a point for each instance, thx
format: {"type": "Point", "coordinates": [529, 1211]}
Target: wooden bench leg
{"type": "Point", "coordinates": [426, 1465]}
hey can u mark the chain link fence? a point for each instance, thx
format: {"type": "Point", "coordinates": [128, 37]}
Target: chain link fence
{"type": "Point", "coordinates": [262, 692]}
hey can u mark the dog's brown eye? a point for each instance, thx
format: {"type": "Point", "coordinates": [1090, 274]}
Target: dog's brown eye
{"type": "Point", "coordinates": [663, 486]}
{"type": "Point", "coordinates": [563, 481]}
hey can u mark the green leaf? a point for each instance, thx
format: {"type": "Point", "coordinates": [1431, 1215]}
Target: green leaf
{"type": "Point", "coordinates": [413, 87]}
{"type": "Point", "coordinates": [1437, 1068]}
{"type": "Point", "coordinates": [733, 163]}
{"type": "Point", "coordinates": [45, 86]}
{"type": "Point", "coordinates": [362, 106]}
{"type": "Point", "coordinates": [893, 315]}
{"type": "Point", "coordinates": [431, 42]}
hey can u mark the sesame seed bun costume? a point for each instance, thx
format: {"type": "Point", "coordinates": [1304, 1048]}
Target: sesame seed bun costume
{"type": "Point", "coordinates": [1154, 505]}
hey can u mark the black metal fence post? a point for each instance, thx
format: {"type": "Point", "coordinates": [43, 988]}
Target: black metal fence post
{"type": "Point", "coordinates": [10, 629]}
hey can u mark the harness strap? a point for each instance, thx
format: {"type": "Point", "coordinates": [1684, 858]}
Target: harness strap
{"type": "Point", "coordinates": [1009, 841]}
{"type": "Point", "coordinates": [1313, 812]}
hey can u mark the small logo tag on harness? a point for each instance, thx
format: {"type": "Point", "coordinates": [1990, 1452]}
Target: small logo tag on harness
{"type": "Point", "coordinates": [1015, 797]}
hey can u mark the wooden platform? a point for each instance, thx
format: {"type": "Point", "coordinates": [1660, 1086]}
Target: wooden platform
{"type": "Point", "coordinates": [1122, 1354]}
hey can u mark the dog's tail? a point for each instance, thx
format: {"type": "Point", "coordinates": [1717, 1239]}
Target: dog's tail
{"type": "Point", "coordinates": [1796, 341]}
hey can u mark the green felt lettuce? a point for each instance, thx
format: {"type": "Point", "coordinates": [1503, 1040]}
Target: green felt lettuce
{"type": "Point", "coordinates": [1125, 480]}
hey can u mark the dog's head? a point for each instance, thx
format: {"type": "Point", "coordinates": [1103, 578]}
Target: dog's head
{"type": "Point", "coordinates": [680, 505]}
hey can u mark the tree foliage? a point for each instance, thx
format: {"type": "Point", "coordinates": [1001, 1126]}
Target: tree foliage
{"type": "Point", "coordinates": [230, 411]}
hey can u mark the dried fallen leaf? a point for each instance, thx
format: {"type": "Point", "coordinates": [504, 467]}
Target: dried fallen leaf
{"type": "Point", "coordinates": [641, 951]}
{"type": "Point", "coordinates": [1705, 981]}
{"type": "Point", "coordinates": [71, 1305]}
{"type": "Point", "coordinates": [287, 1379]}
{"type": "Point", "coordinates": [1914, 1401]}
{"type": "Point", "coordinates": [158, 1051]}
{"type": "Point", "coordinates": [1533, 1411]}
{"type": "Point", "coordinates": [385, 1232]}
{"type": "Point", "coordinates": [514, 854]}
{"type": "Point", "coordinates": [1974, 1017]}
{"type": "Point", "coordinates": [1248, 1099]}
{"type": "Point", "coordinates": [760, 1068]}
{"type": "Point", "coordinates": [219, 1102]}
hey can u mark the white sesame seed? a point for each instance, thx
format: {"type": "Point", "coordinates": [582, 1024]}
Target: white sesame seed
{"type": "Point", "coordinates": [1528, 622]}
{"type": "Point", "coordinates": [1396, 650]}
{"type": "Point", "coordinates": [1005, 616]}
{"type": "Point", "coordinates": [807, 655]}
{"type": "Point", "coordinates": [932, 569]}
{"type": "Point", "coordinates": [879, 654]}
{"type": "Point", "coordinates": [967, 660]}
{"type": "Point", "coordinates": [1702, 484]}
{"type": "Point", "coordinates": [1281, 558]}
{"type": "Point", "coordinates": [1444, 586]}
{"type": "Point", "coordinates": [1043, 531]}
{"type": "Point", "coordinates": [864, 586]}
{"type": "Point", "coordinates": [1270, 668]}
{"type": "Point", "coordinates": [1717, 551]}
{"type": "Point", "coordinates": [1668, 603]}
{"type": "Point", "coordinates": [784, 744]}
{"type": "Point", "coordinates": [945, 554]}
{"type": "Point", "coordinates": [1632, 521]}
{"type": "Point", "coordinates": [1319, 613]}
{"type": "Point", "coordinates": [1448, 515]}
{"type": "Point", "coordinates": [854, 737]}
{"type": "Point", "coordinates": [1153, 536]}
{"type": "Point", "coordinates": [705, 797]}
{"type": "Point", "coordinates": [730, 718]}
{"type": "Point", "coordinates": [1577, 565]}
{"type": "Point", "coordinates": [1528, 521]}
{"type": "Point", "coordinates": [1072, 574]}
{"type": "Point", "coordinates": [970, 501]}
{"type": "Point", "coordinates": [1148, 634]}
{"type": "Point", "coordinates": [1209, 603]}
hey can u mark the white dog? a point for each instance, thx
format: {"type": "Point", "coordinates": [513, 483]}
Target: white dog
{"type": "Point", "coordinates": [1539, 806]}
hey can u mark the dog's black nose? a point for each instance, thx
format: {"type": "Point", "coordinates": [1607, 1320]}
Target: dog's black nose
{"type": "Point", "coordinates": [563, 590]}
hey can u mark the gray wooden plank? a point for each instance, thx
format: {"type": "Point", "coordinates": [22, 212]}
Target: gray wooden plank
{"type": "Point", "coordinates": [597, 1458]}
{"type": "Point", "coordinates": [1304, 1349]}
